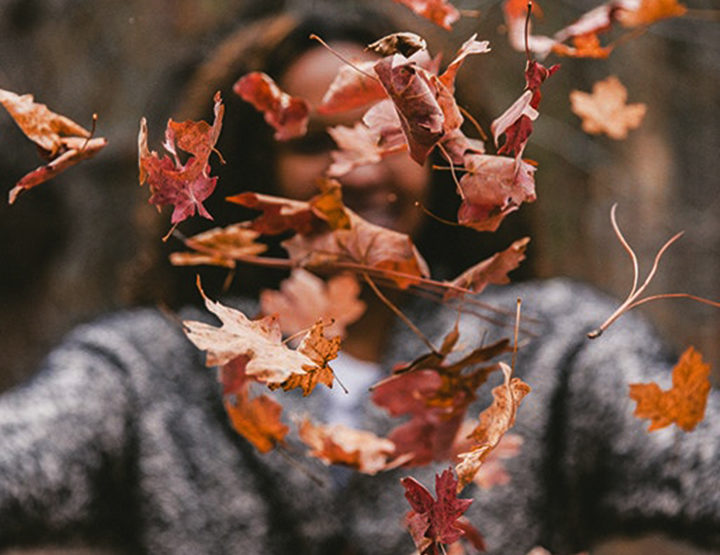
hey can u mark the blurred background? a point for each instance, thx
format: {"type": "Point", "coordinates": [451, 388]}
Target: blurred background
{"type": "Point", "coordinates": [88, 242]}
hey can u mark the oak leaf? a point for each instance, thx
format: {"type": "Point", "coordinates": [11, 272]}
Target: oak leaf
{"type": "Point", "coordinates": [338, 444]}
{"type": "Point", "coordinates": [288, 115]}
{"type": "Point", "coordinates": [60, 140]}
{"type": "Point", "coordinates": [304, 297]}
{"type": "Point", "coordinates": [495, 421]}
{"type": "Point", "coordinates": [440, 12]}
{"type": "Point", "coordinates": [684, 403]}
{"type": "Point", "coordinates": [606, 110]}
{"type": "Point", "coordinates": [185, 186]}
{"type": "Point", "coordinates": [432, 521]}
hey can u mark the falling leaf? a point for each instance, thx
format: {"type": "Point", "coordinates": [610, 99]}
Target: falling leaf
{"type": "Point", "coordinates": [321, 351]}
{"type": "Point", "coordinates": [269, 360]}
{"type": "Point", "coordinates": [257, 419]}
{"type": "Point", "coordinates": [279, 214]}
{"type": "Point", "coordinates": [492, 188]}
{"type": "Point", "coordinates": [171, 182]}
{"type": "Point", "coordinates": [634, 13]}
{"type": "Point", "coordinates": [286, 114]}
{"type": "Point", "coordinates": [584, 46]}
{"type": "Point", "coordinates": [403, 43]}
{"type": "Point", "coordinates": [470, 46]}
{"type": "Point", "coordinates": [440, 12]}
{"type": "Point", "coordinates": [352, 88]}
{"type": "Point", "coordinates": [492, 472]}
{"type": "Point", "coordinates": [492, 270]}
{"type": "Point", "coordinates": [304, 297]}
{"type": "Point", "coordinates": [220, 247]}
{"type": "Point", "coordinates": [338, 444]}
{"type": "Point", "coordinates": [605, 110]}
{"type": "Point", "coordinates": [60, 140]}
{"type": "Point", "coordinates": [497, 419]}
{"type": "Point", "coordinates": [358, 146]}
{"type": "Point", "coordinates": [683, 404]}
{"type": "Point", "coordinates": [432, 521]}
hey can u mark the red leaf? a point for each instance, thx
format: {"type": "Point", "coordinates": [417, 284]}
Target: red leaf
{"type": "Point", "coordinates": [494, 187]}
{"type": "Point", "coordinates": [288, 115]}
{"type": "Point", "coordinates": [352, 89]}
{"type": "Point", "coordinates": [187, 185]}
{"type": "Point", "coordinates": [440, 515]}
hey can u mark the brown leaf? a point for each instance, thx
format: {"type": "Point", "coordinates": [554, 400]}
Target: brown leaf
{"type": "Point", "coordinates": [493, 270]}
{"type": "Point", "coordinates": [338, 444]}
{"type": "Point", "coordinates": [403, 43]}
{"type": "Point", "coordinates": [605, 110]}
{"type": "Point", "coordinates": [304, 297]}
{"type": "Point", "coordinates": [62, 141]}
{"type": "Point", "coordinates": [352, 88]}
{"type": "Point", "coordinates": [219, 247]}
{"type": "Point", "coordinates": [497, 419]}
{"type": "Point", "coordinates": [683, 404]}
{"type": "Point", "coordinates": [286, 114]}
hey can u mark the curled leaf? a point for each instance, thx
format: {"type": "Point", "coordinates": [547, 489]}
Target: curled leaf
{"type": "Point", "coordinates": [440, 12]}
{"type": "Point", "coordinates": [219, 247]}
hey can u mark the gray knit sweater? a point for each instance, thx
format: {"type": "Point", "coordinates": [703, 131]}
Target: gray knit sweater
{"type": "Point", "coordinates": [122, 439]}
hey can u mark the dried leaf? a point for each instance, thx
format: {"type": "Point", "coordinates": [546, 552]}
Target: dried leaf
{"type": "Point", "coordinates": [683, 404]}
{"type": "Point", "coordinates": [338, 444]}
{"type": "Point", "coordinates": [352, 88]}
{"type": "Point", "coordinates": [185, 186]}
{"type": "Point", "coordinates": [440, 12]}
{"type": "Point", "coordinates": [493, 270]}
{"type": "Point", "coordinates": [432, 521]}
{"type": "Point", "coordinates": [286, 114]}
{"type": "Point", "coordinates": [62, 141]}
{"type": "Point", "coordinates": [304, 297]}
{"type": "Point", "coordinates": [403, 43]}
{"type": "Point", "coordinates": [269, 360]}
{"type": "Point", "coordinates": [634, 13]}
{"type": "Point", "coordinates": [497, 419]}
{"type": "Point", "coordinates": [220, 246]}
{"type": "Point", "coordinates": [470, 46]}
{"type": "Point", "coordinates": [494, 187]}
{"type": "Point", "coordinates": [605, 110]}
{"type": "Point", "coordinates": [584, 46]}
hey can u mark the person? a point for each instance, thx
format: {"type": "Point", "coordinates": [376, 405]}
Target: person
{"type": "Point", "coordinates": [122, 440]}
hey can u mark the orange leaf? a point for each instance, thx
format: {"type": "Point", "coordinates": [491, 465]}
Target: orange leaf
{"type": "Point", "coordinates": [257, 420]}
{"type": "Point", "coordinates": [584, 46]}
{"type": "Point", "coordinates": [605, 110]}
{"type": "Point", "coordinates": [440, 12]}
{"type": "Point", "coordinates": [683, 404]}
{"type": "Point", "coordinates": [650, 11]}
{"type": "Point", "coordinates": [497, 419]}
{"type": "Point", "coordinates": [219, 247]}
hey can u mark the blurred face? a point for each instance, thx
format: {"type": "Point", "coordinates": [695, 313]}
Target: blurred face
{"type": "Point", "coordinates": [382, 193]}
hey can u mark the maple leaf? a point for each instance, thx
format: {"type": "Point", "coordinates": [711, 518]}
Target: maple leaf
{"type": "Point", "coordinates": [304, 297]}
{"type": "Point", "coordinates": [269, 360]}
{"type": "Point", "coordinates": [432, 521]}
{"type": "Point", "coordinates": [219, 247]}
{"type": "Point", "coordinates": [605, 110]}
{"type": "Point", "coordinates": [584, 46]}
{"type": "Point", "coordinates": [321, 351]}
{"type": "Point", "coordinates": [683, 404]}
{"type": "Point", "coordinates": [358, 449]}
{"type": "Point", "coordinates": [257, 419]}
{"type": "Point", "coordinates": [497, 419]}
{"type": "Point", "coordinates": [358, 147]}
{"type": "Point", "coordinates": [352, 88]}
{"type": "Point", "coordinates": [60, 140]}
{"type": "Point", "coordinates": [470, 46]}
{"type": "Point", "coordinates": [186, 185]}
{"type": "Point", "coordinates": [492, 270]}
{"type": "Point", "coordinates": [634, 13]}
{"type": "Point", "coordinates": [492, 188]}
{"type": "Point", "coordinates": [440, 12]}
{"type": "Point", "coordinates": [288, 115]}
